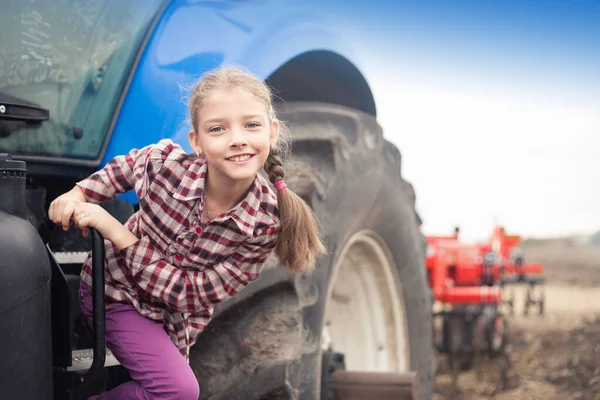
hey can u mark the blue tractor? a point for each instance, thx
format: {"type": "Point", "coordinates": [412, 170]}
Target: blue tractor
{"type": "Point", "coordinates": [84, 81]}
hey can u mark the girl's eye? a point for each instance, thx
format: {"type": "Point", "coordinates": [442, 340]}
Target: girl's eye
{"type": "Point", "coordinates": [216, 129]}
{"type": "Point", "coordinates": [252, 125]}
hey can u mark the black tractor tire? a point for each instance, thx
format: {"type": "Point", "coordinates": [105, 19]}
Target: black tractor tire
{"type": "Point", "coordinates": [265, 342]}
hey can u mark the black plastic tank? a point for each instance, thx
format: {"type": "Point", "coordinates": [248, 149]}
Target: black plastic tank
{"type": "Point", "coordinates": [25, 274]}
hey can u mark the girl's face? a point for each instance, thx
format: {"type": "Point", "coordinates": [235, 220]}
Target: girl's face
{"type": "Point", "coordinates": [235, 134]}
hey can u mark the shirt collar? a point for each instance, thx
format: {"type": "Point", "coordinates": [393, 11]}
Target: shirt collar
{"type": "Point", "coordinates": [191, 187]}
{"type": "Point", "coordinates": [245, 213]}
{"type": "Point", "coordinates": [192, 184]}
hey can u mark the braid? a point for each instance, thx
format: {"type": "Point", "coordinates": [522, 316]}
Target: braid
{"type": "Point", "coordinates": [299, 241]}
{"type": "Point", "coordinates": [274, 165]}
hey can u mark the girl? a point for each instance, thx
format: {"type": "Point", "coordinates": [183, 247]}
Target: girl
{"type": "Point", "coordinates": [205, 226]}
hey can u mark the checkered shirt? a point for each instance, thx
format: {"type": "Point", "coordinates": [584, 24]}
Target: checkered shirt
{"type": "Point", "coordinates": [180, 268]}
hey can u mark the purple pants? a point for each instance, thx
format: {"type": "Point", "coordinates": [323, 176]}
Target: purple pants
{"type": "Point", "coordinates": [157, 369]}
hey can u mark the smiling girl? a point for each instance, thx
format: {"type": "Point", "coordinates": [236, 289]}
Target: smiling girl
{"type": "Point", "coordinates": [206, 224]}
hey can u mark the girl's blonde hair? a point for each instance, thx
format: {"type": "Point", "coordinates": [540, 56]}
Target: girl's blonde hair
{"type": "Point", "coordinates": [299, 241]}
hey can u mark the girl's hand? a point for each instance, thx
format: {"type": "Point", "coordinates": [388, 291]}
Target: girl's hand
{"type": "Point", "coordinates": [61, 209]}
{"type": "Point", "coordinates": [88, 215]}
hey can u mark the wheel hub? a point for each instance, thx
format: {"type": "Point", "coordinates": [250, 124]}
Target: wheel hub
{"type": "Point", "coordinates": [365, 316]}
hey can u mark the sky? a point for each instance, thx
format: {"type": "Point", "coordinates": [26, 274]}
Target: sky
{"type": "Point", "coordinates": [495, 107]}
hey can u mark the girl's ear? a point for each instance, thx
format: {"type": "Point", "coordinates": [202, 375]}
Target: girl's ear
{"type": "Point", "coordinates": [274, 132]}
{"type": "Point", "coordinates": [194, 142]}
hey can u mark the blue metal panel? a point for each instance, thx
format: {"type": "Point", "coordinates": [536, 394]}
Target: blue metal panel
{"type": "Point", "coordinates": [195, 36]}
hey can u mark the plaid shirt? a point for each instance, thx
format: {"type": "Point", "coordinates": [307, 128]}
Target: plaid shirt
{"type": "Point", "coordinates": [180, 267]}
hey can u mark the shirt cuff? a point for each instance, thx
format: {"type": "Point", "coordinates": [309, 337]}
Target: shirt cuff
{"type": "Point", "coordinates": [94, 191]}
{"type": "Point", "coordinates": [139, 255]}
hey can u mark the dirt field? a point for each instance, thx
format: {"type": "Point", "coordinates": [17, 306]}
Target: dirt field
{"type": "Point", "coordinates": [554, 356]}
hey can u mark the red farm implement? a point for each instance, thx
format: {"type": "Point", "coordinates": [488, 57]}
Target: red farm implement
{"type": "Point", "coordinates": [468, 322]}
{"type": "Point", "coordinates": [515, 271]}
{"type": "Point", "coordinates": [468, 285]}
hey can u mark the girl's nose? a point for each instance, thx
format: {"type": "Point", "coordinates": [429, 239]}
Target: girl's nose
{"type": "Point", "coordinates": [238, 138]}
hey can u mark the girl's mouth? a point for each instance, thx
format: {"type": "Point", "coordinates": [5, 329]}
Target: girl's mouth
{"type": "Point", "coordinates": [240, 159]}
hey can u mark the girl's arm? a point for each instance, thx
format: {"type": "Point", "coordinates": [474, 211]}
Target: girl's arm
{"type": "Point", "coordinates": [192, 291]}
{"type": "Point", "coordinates": [118, 176]}
{"type": "Point", "coordinates": [122, 174]}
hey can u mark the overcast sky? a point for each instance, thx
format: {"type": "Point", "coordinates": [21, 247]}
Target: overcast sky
{"type": "Point", "coordinates": [495, 107]}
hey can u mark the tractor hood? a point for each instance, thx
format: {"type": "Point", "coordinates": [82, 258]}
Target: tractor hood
{"type": "Point", "coordinates": [72, 59]}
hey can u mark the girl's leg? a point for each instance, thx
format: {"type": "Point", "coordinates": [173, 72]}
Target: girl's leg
{"type": "Point", "coordinates": [157, 369]}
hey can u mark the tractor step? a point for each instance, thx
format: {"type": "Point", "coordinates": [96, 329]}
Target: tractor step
{"type": "Point", "coordinates": [82, 360]}
{"type": "Point", "coordinates": [354, 385]}
{"type": "Point", "coordinates": [70, 257]}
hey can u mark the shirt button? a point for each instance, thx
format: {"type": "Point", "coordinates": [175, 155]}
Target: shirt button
{"type": "Point", "coordinates": [198, 230]}
{"type": "Point", "coordinates": [179, 257]}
